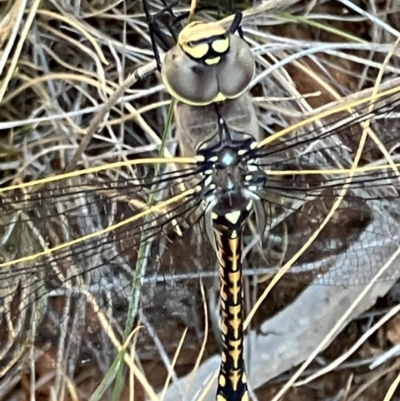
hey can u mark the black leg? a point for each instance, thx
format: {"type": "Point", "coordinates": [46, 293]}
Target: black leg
{"type": "Point", "coordinates": [169, 9]}
{"type": "Point", "coordinates": [235, 26]}
{"type": "Point", "coordinates": [160, 35]}
{"type": "Point", "coordinates": [240, 32]}
{"type": "Point", "coordinates": [155, 30]}
{"type": "Point", "coordinates": [152, 37]}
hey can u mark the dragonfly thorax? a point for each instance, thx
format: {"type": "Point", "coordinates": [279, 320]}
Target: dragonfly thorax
{"type": "Point", "coordinates": [230, 191]}
{"type": "Point", "coordinates": [229, 178]}
{"type": "Point", "coordinates": [232, 181]}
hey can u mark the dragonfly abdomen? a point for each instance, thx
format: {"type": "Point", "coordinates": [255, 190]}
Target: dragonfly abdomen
{"type": "Point", "coordinates": [228, 231]}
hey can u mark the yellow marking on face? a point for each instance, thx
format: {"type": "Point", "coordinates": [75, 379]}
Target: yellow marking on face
{"type": "Point", "coordinates": [222, 380]}
{"type": "Point", "coordinates": [223, 357]}
{"type": "Point", "coordinates": [244, 378]}
{"type": "Point", "coordinates": [220, 397]}
{"type": "Point", "coordinates": [198, 51]}
{"type": "Point", "coordinates": [196, 37]}
{"type": "Point", "coordinates": [212, 61]}
{"type": "Point", "coordinates": [220, 45]}
{"type": "Point", "coordinates": [214, 216]}
{"type": "Point", "coordinates": [197, 31]}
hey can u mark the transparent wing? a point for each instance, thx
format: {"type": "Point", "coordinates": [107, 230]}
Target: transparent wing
{"type": "Point", "coordinates": [129, 247]}
{"type": "Point", "coordinates": [77, 247]}
{"type": "Point", "coordinates": [311, 188]}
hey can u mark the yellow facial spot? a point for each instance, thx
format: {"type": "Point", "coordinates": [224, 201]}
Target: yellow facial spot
{"type": "Point", "coordinates": [220, 45]}
{"type": "Point", "coordinates": [212, 61]}
{"type": "Point", "coordinates": [200, 31]}
{"type": "Point", "coordinates": [222, 381]}
{"type": "Point", "coordinates": [220, 397]}
{"type": "Point", "coordinates": [197, 37]}
{"type": "Point", "coordinates": [244, 378]}
{"type": "Point", "coordinates": [197, 52]}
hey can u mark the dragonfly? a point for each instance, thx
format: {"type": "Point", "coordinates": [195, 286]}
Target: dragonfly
{"type": "Point", "coordinates": [106, 243]}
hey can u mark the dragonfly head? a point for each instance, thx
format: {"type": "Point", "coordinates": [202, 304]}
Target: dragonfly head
{"type": "Point", "coordinates": [204, 42]}
{"type": "Point", "coordinates": [209, 64]}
